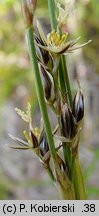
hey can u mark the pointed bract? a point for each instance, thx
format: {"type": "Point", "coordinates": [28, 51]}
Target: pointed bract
{"type": "Point", "coordinates": [34, 139]}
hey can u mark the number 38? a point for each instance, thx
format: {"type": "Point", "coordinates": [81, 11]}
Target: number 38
{"type": "Point", "coordinates": [89, 208]}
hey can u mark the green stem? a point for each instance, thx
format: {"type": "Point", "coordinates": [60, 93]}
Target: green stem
{"type": "Point", "coordinates": [66, 195]}
{"type": "Point", "coordinates": [67, 83]}
{"type": "Point", "coordinates": [63, 70]}
{"type": "Point", "coordinates": [77, 179]}
{"type": "Point", "coordinates": [67, 157]}
{"type": "Point", "coordinates": [40, 92]}
{"type": "Point", "coordinates": [50, 173]}
{"type": "Point", "coordinates": [61, 78]}
{"type": "Point", "coordinates": [63, 75]}
{"type": "Point", "coordinates": [51, 5]}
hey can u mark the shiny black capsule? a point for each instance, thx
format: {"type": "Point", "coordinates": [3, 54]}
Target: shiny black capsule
{"type": "Point", "coordinates": [78, 106]}
{"type": "Point", "coordinates": [67, 122]}
{"type": "Point", "coordinates": [43, 144]}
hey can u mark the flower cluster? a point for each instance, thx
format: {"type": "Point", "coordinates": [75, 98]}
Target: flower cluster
{"type": "Point", "coordinates": [49, 50]}
{"type": "Point", "coordinates": [55, 43]}
{"type": "Point", "coordinates": [71, 120]}
{"type": "Point", "coordinates": [35, 140]}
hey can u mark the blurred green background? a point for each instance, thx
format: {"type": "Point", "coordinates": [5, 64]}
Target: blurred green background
{"type": "Point", "coordinates": [21, 175]}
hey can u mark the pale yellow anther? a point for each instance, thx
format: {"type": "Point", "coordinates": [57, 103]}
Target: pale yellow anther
{"type": "Point", "coordinates": [55, 40]}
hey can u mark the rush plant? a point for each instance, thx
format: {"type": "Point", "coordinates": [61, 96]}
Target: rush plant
{"type": "Point", "coordinates": [47, 54]}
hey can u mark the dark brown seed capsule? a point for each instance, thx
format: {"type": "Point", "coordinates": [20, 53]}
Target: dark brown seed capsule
{"type": "Point", "coordinates": [78, 106]}
{"type": "Point", "coordinates": [48, 85]}
{"type": "Point", "coordinates": [67, 122]}
{"type": "Point", "coordinates": [43, 55]}
{"type": "Point", "coordinates": [34, 139]}
{"type": "Point", "coordinates": [43, 144]}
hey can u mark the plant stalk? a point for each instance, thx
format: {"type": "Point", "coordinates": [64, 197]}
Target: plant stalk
{"type": "Point", "coordinates": [40, 92]}
{"type": "Point", "coordinates": [63, 79]}
{"type": "Point", "coordinates": [63, 74]}
{"type": "Point", "coordinates": [67, 82]}
{"type": "Point", "coordinates": [51, 5]}
{"type": "Point", "coordinates": [78, 179]}
{"type": "Point", "coordinates": [66, 195]}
